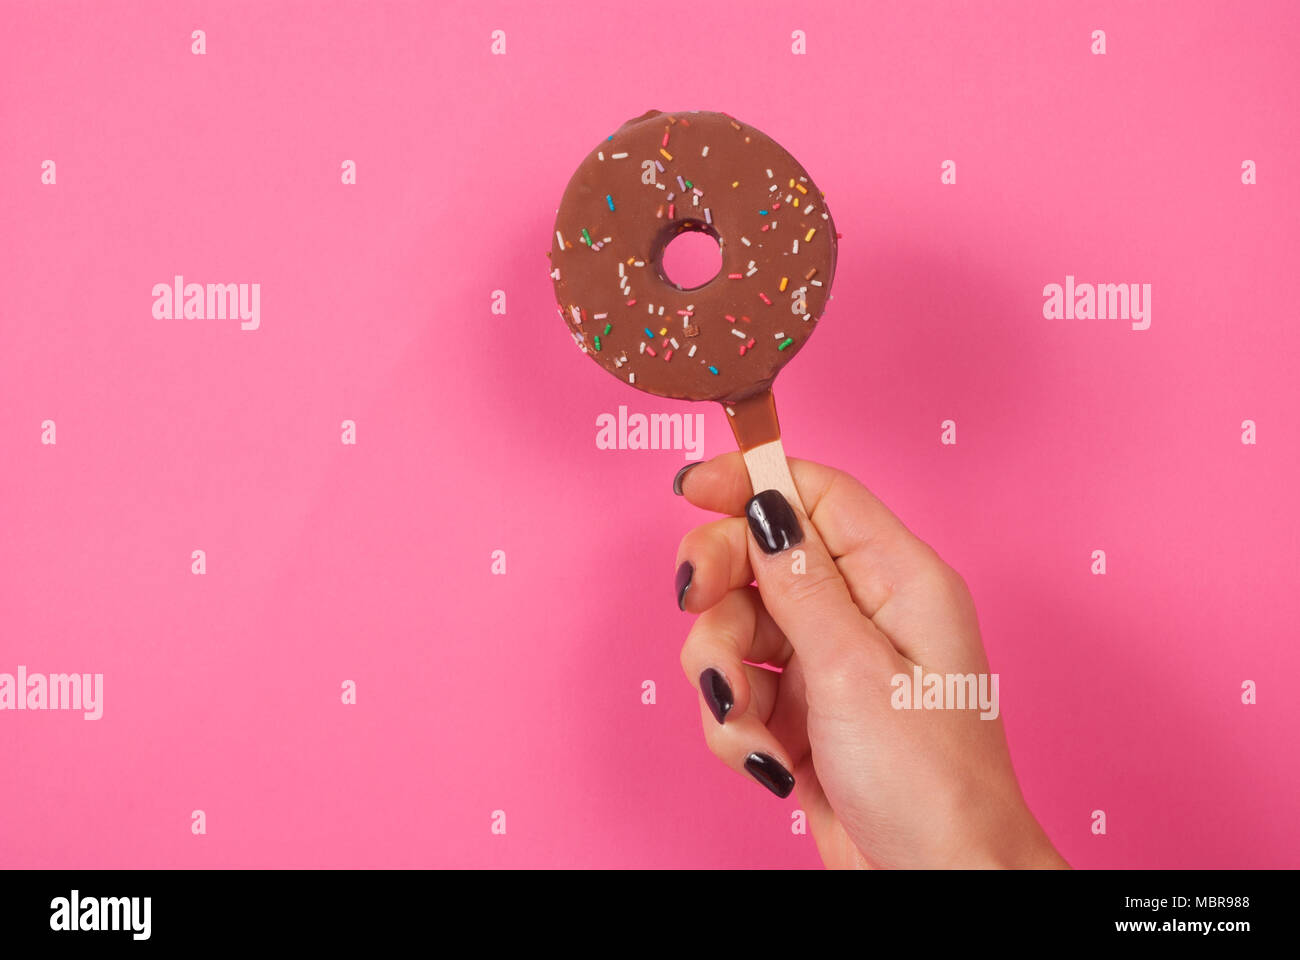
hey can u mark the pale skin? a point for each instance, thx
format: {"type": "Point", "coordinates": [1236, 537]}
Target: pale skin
{"type": "Point", "coordinates": [881, 787]}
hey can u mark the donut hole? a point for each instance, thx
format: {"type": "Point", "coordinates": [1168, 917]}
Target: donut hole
{"type": "Point", "coordinates": [692, 256]}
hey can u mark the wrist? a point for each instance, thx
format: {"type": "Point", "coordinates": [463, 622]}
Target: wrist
{"type": "Point", "coordinates": [1022, 844]}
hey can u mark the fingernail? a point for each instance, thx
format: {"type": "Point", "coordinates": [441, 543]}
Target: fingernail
{"type": "Point", "coordinates": [770, 774]}
{"type": "Point", "coordinates": [775, 526]}
{"type": "Point", "coordinates": [717, 694]}
{"type": "Point", "coordinates": [683, 582]}
{"type": "Point", "coordinates": [681, 475]}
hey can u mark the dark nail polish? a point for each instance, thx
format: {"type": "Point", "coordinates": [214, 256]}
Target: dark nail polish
{"type": "Point", "coordinates": [681, 475]}
{"type": "Point", "coordinates": [683, 582]}
{"type": "Point", "coordinates": [717, 694]}
{"type": "Point", "coordinates": [770, 774]}
{"type": "Point", "coordinates": [775, 526]}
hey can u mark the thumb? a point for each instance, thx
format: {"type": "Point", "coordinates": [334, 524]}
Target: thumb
{"type": "Point", "coordinates": [800, 584]}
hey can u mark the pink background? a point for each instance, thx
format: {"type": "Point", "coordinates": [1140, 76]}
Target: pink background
{"type": "Point", "coordinates": [476, 432]}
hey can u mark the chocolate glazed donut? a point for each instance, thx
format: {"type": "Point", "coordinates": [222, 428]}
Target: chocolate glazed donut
{"type": "Point", "coordinates": [664, 173]}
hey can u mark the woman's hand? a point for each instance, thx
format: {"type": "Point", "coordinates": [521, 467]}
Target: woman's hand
{"type": "Point", "coordinates": [842, 606]}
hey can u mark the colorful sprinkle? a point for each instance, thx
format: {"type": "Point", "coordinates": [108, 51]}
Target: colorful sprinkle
{"type": "Point", "coordinates": [809, 235]}
{"type": "Point", "coordinates": [586, 236]}
{"type": "Point", "coordinates": [608, 327]}
{"type": "Point", "coordinates": [713, 370]}
{"type": "Point", "coordinates": [784, 281]}
{"type": "Point", "coordinates": [597, 344]}
{"type": "Point", "coordinates": [667, 155]}
{"type": "Point", "coordinates": [610, 201]}
{"type": "Point", "coordinates": [649, 334]}
{"type": "Point", "coordinates": [764, 298]}
{"type": "Point", "coordinates": [785, 343]}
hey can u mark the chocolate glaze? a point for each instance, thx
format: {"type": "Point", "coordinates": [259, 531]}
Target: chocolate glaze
{"type": "Point", "coordinates": [610, 283]}
{"type": "Point", "coordinates": [753, 420]}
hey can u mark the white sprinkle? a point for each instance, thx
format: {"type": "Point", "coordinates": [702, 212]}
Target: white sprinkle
{"type": "Point", "coordinates": [555, 274]}
{"type": "Point", "coordinates": [673, 342]}
{"type": "Point", "coordinates": [691, 352]}
{"type": "Point", "coordinates": [600, 154]}
{"type": "Point", "coordinates": [642, 346]}
{"type": "Point", "coordinates": [825, 216]}
{"type": "Point", "coordinates": [772, 188]}
{"type": "Point", "coordinates": [808, 209]}
{"type": "Point", "coordinates": [803, 179]}
{"type": "Point", "coordinates": [796, 245]}
{"type": "Point", "coordinates": [599, 316]}
{"type": "Point", "coordinates": [788, 198]}
{"type": "Point", "coordinates": [606, 239]}
{"type": "Point", "coordinates": [695, 201]}
{"type": "Point", "coordinates": [739, 333]}
{"type": "Point", "coordinates": [705, 153]}
{"type": "Point", "coordinates": [751, 263]}
{"type": "Point", "coordinates": [752, 271]}
{"type": "Point", "coordinates": [560, 239]}
{"type": "Point", "coordinates": [577, 317]}
{"type": "Point", "coordinates": [638, 263]}
{"type": "Point", "coordinates": [650, 308]}
{"type": "Point", "coordinates": [816, 283]}
{"type": "Point", "coordinates": [670, 196]}
{"type": "Point", "coordinates": [708, 216]}
{"type": "Point", "coordinates": [661, 311]}
{"type": "Point", "coordinates": [769, 174]}
{"type": "Point", "coordinates": [631, 378]}
{"type": "Point", "coordinates": [617, 156]}
{"type": "Point", "coordinates": [661, 186]}
{"type": "Point", "coordinates": [698, 191]}
{"type": "Point", "coordinates": [745, 241]}
{"type": "Point", "coordinates": [730, 412]}
{"type": "Point", "coordinates": [779, 336]}
{"type": "Point", "coordinates": [620, 268]}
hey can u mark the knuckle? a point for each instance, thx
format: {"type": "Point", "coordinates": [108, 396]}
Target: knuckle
{"type": "Point", "coordinates": [817, 585]}
{"type": "Point", "coordinates": [952, 589]}
{"type": "Point", "coordinates": [846, 676]}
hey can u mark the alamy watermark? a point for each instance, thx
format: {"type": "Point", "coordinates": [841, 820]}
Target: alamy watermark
{"type": "Point", "coordinates": [946, 691]}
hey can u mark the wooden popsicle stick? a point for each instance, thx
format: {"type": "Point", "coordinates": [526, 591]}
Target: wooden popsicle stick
{"type": "Point", "coordinates": [758, 434]}
{"type": "Point", "coordinates": [768, 470]}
